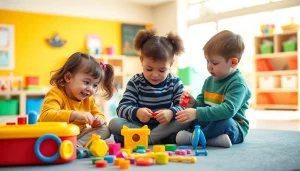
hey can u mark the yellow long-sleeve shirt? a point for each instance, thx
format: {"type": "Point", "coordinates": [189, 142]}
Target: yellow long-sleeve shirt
{"type": "Point", "coordinates": [57, 107]}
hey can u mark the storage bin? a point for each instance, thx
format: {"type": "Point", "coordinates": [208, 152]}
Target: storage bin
{"type": "Point", "coordinates": [293, 63]}
{"type": "Point", "coordinates": [289, 81]}
{"type": "Point", "coordinates": [269, 82]}
{"type": "Point", "coordinates": [9, 107]}
{"type": "Point", "coordinates": [34, 105]}
{"type": "Point", "coordinates": [289, 46]}
{"type": "Point", "coordinates": [266, 48]}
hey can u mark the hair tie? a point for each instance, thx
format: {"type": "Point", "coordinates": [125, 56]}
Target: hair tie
{"type": "Point", "coordinates": [103, 66]}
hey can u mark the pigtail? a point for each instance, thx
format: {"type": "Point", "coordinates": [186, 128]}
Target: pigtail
{"type": "Point", "coordinates": [176, 42]}
{"type": "Point", "coordinates": [107, 83]}
{"type": "Point", "coordinates": [141, 37]}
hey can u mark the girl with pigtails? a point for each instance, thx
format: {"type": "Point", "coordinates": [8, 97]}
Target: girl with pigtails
{"type": "Point", "coordinates": [71, 99]}
{"type": "Point", "coordinates": [152, 97]}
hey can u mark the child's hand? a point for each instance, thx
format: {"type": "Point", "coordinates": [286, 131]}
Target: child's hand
{"type": "Point", "coordinates": [87, 116]}
{"type": "Point", "coordinates": [186, 115]}
{"type": "Point", "coordinates": [164, 116]}
{"type": "Point", "coordinates": [98, 122]}
{"type": "Point", "coordinates": [144, 114]}
{"type": "Point", "coordinates": [191, 101]}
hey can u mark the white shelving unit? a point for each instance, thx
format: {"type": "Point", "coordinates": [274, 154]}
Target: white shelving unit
{"type": "Point", "coordinates": [274, 94]}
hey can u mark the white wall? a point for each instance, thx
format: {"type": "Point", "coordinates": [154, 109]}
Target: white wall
{"type": "Point", "coordinates": [164, 18]}
{"type": "Point", "coordinates": [118, 10]}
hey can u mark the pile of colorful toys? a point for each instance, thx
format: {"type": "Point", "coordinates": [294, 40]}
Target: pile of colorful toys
{"type": "Point", "coordinates": [136, 150]}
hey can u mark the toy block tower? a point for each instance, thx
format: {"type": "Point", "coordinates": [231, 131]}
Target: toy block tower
{"type": "Point", "coordinates": [135, 136]}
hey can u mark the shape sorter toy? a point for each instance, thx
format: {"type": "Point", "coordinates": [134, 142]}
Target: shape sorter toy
{"type": "Point", "coordinates": [40, 143]}
{"type": "Point", "coordinates": [135, 136]}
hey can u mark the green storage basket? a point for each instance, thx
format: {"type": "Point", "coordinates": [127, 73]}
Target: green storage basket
{"type": "Point", "coordinates": [266, 48]}
{"type": "Point", "coordinates": [9, 107]}
{"type": "Point", "coordinates": [289, 46]}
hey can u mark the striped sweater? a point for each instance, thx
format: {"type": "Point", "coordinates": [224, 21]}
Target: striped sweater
{"type": "Point", "coordinates": [224, 99]}
{"type": "Point", "coordinates": [140, 93]}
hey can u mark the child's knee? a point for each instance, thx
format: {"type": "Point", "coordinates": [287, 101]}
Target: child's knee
{"type": "Point", "coordinates": [115, 125]}
{"type": "Point", "coordinates": [103, 131]}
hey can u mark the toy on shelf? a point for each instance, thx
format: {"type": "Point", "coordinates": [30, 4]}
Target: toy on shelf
{"type": "Point", "coordinates": [97, 146]}
{"type": "Point", "coordinates": [11, 83]}
{"type": "Point", "coordinates": [32, 83]}
{"type": "Point", "coordinates": [291, 26]}
{"type": "Point", "coordinates": [41, 143]}
{"type": "Point", "coordinates": [135, 136]}
{"type": "Point", "coordinates": [267, 28]}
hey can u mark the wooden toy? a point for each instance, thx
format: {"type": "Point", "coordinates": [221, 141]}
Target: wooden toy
{"type": "Point", "coordinates": [135, 136]}
{"type": "Point", "coordinates": [41, 143]}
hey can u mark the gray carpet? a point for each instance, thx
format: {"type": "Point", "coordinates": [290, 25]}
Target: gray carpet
{"type": "Point", "coordinates": [262, 150]}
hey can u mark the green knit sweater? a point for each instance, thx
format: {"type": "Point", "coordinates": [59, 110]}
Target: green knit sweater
{"type": "Point", "coordinates": [223, 99]}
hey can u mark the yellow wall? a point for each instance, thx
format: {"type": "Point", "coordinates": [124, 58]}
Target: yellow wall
{"type": "Point", "coordinates": [34, 57]}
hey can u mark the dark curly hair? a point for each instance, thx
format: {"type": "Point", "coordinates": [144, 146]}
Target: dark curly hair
{"type": "Point", "coordinates": [158, 47]}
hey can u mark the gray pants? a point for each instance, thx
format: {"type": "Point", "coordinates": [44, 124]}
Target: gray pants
{"type": "Point", "coordinates": [86, 134]}
{"type": "Point", "coordinates": [156, 134]}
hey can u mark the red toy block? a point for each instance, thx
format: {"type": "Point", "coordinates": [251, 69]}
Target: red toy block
{"type": "Point", "coordinates": [31, 80]}
{"type": "Point", "coordinates": [121, 154]}
{"type": "Point", "coordinates": [101, 163]}
{"type": "Point", "coordinates": [154, 114]}
{"type": "Point", "coordinates": [185, 101]}
{"type": "Point", "coordinates": [10, 123]}
{"type": "Point", "coordinates": [22, 120]}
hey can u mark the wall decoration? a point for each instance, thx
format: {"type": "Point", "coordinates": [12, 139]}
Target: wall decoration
{"type": "Point", "coordinates": [56, 41]}
{"type": "Point", "coordinates": [128, 33]}
{"type": "Point", "coordinates": [7, 46]}
{"type": "Point", "coordinates": [93, 44]}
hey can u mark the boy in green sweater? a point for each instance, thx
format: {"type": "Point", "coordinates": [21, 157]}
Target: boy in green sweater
{"type": "Point", "coordinates": [220, 108]}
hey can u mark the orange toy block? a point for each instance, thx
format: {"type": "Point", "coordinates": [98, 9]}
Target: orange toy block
{"type": "Point", "coordinates": [125, 164]}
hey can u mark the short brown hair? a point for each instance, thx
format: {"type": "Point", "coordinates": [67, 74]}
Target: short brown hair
{"type": "Point", "coordinates": [225, 43]}
{"type": "Point", "coordinates": [159, 48]}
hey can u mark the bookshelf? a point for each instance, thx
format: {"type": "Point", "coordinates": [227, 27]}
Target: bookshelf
{"type": "Point", "coordinates": [276, 76]}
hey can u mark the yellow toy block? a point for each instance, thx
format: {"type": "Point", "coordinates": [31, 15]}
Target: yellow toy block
{"type": "Point", "coordinates": [97, 146]}
{"type": "Point", "coordinates": [183, 159]}
{"type": "Point", "coordinates": [135, 136]}
{"type": "Point", "coordinates": [159, 148]}
{"type": "Point", "coordinates": [161, 158]}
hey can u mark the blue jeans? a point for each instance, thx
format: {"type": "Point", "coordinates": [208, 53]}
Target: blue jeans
{"type": "Point", "coordinates": [157, 133]}
{"type": "Point", "coordinates": [213, 129]}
